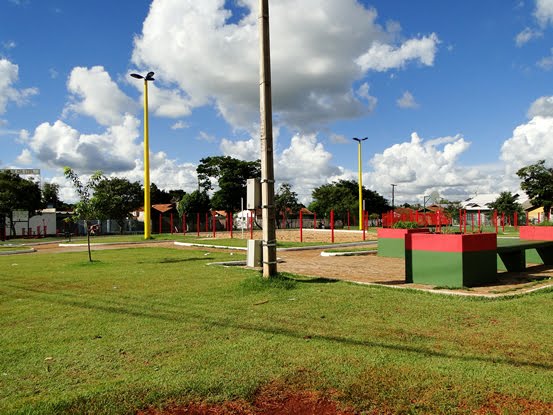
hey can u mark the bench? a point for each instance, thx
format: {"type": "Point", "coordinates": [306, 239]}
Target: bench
{"type": "Point", "coordinates": [514, 256]}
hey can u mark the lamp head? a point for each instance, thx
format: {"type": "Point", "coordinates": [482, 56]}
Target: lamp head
{"type": "Point", "coordinates": [137, 76]}
{"type": "Point", "coordinates": [150, 76]}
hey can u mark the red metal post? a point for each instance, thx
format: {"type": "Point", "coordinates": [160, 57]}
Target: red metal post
{"type": "Point", "coordinates": [206, 222]}
{"type": "Point", "coordinates": [198, 223]}
{"type": "Point", "coordinates": [213, 218]}
{"type": "Point", "coordinates": [363, 227]}
{"type": "Point", "coordinates": [348, 220]}
{"type": "Point", "coordinates": [332, 225]}
{"type": "Point", "coordinates": [314, 220]}
{"type": "Point", "coordinates": [301, 225]}
{"type": "Point", "coordinates": [503, 221]}
{"type": "Point", "coordinates": [460, 220]}
{"type": "Point", "coordinates": [515, 219]}
{"type": "Point", "coordinates": [479, 221]}
{"type": "Point", "coordinates": [495, 221]}
{"type": "Point", "coordinates": [231, 224]}
{"type": "Point", "coordinates": [160, 218]}
{"type": "Point", "coordinates": [465, 221]}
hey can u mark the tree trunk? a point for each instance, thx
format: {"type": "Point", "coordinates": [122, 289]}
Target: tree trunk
{"type": "Point", "coordinates": [87, 227]}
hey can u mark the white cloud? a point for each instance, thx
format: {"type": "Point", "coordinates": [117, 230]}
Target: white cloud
{"type": "Point", "coordinates": [338, 139]}
{"type": "Point", "coordinates": [179, 125]}
{"type": "Point", "coordinates": [314, 48]}
{"type": "Point", "coordinates": [526, 36]}
{"type": "Point", "coordinates": [544, 12]}
{"type": "Point", "coordinates": [9, 75]}
{"type": "Point", "coordinates": [530, 142]}
{"type": "Point", "coordinates": [208, 138]}
{"type": "Point", "coordinates": [94, 94]}
{"type": "Point", "coordinates": [25, 157]}
{"type": "Point", "coordinates": [59, 145]}
{"type": "Point", "coordinates": [407, 100]}
{"type": "Point", "coordinates": [241, 149]}
{"type": "Point", "coordinates": [363, 92]}
{"type": "Point", "coordinates": [382, 57]}
{"type": "Point", "coordinates": [543, 106]}
{"type": "Point", "coordinates": [305, 164]}
{"type": "Point", "coordinates": [170, 103]}
{"type": "Point", "coordinates": [419, 166]}
{"type": "Point", "coordinates": [546, 63]}
{"type": "Point", "coordinates": [10, 44]}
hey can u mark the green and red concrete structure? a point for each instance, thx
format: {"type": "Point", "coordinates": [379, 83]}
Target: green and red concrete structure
{"type": "Point", "coordinates": [391, 242]}
{"type": "Point", "coordinates": [451, 260]}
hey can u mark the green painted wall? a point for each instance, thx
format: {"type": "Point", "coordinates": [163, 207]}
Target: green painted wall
{"type": "Point", "coordinates": [391, 247]}
{"type": "Point", "coordinates": [451, 269]}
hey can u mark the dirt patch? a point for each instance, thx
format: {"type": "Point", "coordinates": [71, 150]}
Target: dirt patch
{"type": "Point", "coordinates": [271, 400]}
{"type": "Point", "coordinates": [498, 404]}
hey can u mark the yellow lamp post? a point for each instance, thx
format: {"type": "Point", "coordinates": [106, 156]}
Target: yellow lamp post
{"type": "Point", "coordinates": [360, 179]}
{"type": "Point", "coordinates": [147, 204]}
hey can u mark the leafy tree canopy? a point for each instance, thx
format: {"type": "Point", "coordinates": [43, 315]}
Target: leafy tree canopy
{"type": "Point", "coordinates": [17, 193]}
{"type": "Point", "coordinates": [50, 194]}
{"type": "Point", "coordinates": [507, 203]}
{"type": "Point", "coordinates": [343, 196]}
{"type": "Point", "coordinates": [451, 209]}
{"type": "Point", "coordinates": [286, 198]}
{"type": "Point", "coordinates": [231, 176]}
{"type": "Point", "coordinates": [115, 198]}
{"type": "Point", "coordinates": [85, 208]}
{"type": "Point", "coordinates": [537, 182]}
{"type": "Point", "coordinates": [192, 203]}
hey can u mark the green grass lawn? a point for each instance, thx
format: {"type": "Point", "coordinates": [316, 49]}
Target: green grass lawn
{"type": "Point", "coordinates": [144, 326]}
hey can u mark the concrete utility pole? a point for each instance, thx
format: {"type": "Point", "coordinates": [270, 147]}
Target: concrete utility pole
{"type": "Point", "coordinates": [267, 165]}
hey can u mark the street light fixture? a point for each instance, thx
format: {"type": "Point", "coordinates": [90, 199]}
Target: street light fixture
{"type": "Point", "coordinates": [360, 179]}
{"type": "Point", "coordinates": [147, 205]}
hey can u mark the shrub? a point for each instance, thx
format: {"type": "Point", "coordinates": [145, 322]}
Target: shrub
{"type": "Point", "coordinates": [405, 225]}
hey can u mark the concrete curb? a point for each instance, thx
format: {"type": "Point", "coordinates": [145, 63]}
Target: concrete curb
{"type": "Point", "coordinates": [237, 248]}
{"type": "Point", "coordinates": [350, 253]}
{"type": "Point", "coordinates": [19, 251]}
{"type": "Point", "coordinates": [66, 245]}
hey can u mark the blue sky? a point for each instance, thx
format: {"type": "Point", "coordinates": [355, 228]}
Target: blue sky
{"type": "Point", "coordinates": [454, 97]}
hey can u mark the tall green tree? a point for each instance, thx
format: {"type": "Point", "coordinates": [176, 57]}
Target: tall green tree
{"type": "Point", "coordinates": [85, 208]}
{"type": "Point", "coordinates": [286, 201]}
{"type": "Point", "coordinates": [507, 204]}
{"type": "Point", "coordinates": [343, 196]}
{"type": "Point", "coordinates": [115, 198]}
{"type": "Point", "coordinates": [192, 203]}
{"type": "Point", "coordinates": [159, 196]}
{"type": "Point", "coordinates": [50, 194]}
{"type": "Point", "coordinates": [230, 175]}
{"type": "Point", "coordinates": [451, 208]}
{"type": "Point", "coordinates": [537, 182]}
{"type": "Point", "coordinates": [17, 193]}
